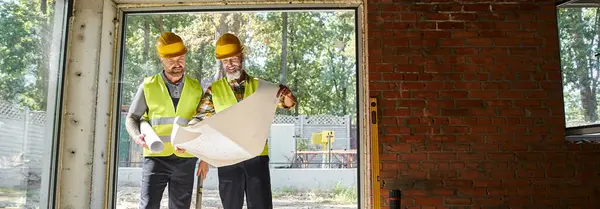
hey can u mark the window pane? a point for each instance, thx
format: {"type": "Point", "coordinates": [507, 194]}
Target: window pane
{"type": "Point", "coordinates": [578, 33]}
{"type": "Point", "coordinates": [32, 33]}
{"type": "Point", "coordinates": [319, 52]}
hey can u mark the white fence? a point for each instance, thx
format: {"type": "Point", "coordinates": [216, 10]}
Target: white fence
{"type": "Point", "coordinates": [302, 179]}
{"type": "Point", "coordinates": [288, 135]}
{"type": "Point", "coordinates": [23, 138]}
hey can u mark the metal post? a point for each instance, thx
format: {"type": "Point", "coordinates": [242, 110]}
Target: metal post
{"type": "Point", "coordinates": [25, 131]}
{"type": "Point", "coordinates": [26, 169]}
{"type": "Point", "coordinates": [328, 152]}
{"type": "Point", "coordinates": [199, 191]}
{"type": "Point", "coordinates": [394, 199]}
{"type": "Point", "coordinates": [348, 129]}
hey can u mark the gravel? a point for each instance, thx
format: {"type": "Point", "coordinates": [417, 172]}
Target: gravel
{"type": "Point", "coordinates": [127, 198]}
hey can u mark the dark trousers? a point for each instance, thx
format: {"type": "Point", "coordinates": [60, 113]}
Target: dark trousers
{"type": "Point", "coordinates": [177, 172]}
{"type": "Point", "coordinates": [251, 177]}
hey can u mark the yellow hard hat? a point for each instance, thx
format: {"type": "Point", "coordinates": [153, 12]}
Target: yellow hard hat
{"type": "Point", "coordinates": [228, 45]}
{"type": "Point", "coordinates": [170, 45]}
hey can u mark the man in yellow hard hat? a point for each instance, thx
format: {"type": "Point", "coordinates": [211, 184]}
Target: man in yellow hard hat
{"type": "Point", "coordinates": [159, 100]}
{"type": "Point", "coordinates": [252, 176]}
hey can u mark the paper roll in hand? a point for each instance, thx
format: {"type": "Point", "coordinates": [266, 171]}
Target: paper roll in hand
{"type": "Point", "coordinates": [152, 140]}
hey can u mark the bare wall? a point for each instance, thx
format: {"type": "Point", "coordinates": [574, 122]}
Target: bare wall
{"type": "Point", "coordinates": [471, 106]}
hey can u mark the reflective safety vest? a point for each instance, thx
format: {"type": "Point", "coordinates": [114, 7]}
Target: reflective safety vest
{"type": "Point", "coordinates": [223, 97]}
{"type": "Point", "coordinates": [161, 112]}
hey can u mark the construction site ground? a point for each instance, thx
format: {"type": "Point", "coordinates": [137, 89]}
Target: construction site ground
{"type": "Point", "coordinates": [127, 198]}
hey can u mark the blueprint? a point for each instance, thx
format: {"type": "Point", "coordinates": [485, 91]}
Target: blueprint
{"type": "Point", "coordinates": [233, 135]}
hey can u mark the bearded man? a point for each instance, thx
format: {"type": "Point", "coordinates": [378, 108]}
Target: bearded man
{"type": "Point", "coordinates": [252, 176]}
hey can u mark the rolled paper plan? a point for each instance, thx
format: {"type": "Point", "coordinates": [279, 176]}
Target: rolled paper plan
{"type": "Point", "coordinates": [233, 135]}
{"type": "Point", "coordinates": [152, 140]}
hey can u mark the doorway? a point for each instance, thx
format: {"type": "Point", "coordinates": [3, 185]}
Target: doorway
{"type": "Point", "coordinates": [313, 147]}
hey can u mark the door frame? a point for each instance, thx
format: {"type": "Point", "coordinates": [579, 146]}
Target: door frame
{"type": "Point", "coordinates": [123, 7]}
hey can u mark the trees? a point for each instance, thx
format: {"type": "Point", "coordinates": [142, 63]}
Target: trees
{"type": "Point", "coordinates": [579, 34]}
{"type": "Point", "coordinates": [24, 51]}
{"type": "Point", "coordinates": [312, 52]}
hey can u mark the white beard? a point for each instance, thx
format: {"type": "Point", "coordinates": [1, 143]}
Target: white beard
{"type": "Point", "coordinates": [234, 76]}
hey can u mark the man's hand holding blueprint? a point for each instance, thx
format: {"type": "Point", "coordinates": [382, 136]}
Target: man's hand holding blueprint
{"type": "Point", "coordinates": [217, 143]}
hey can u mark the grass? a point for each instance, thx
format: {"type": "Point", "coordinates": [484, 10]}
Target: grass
{"type": "Point", "coordinates": [10, 192]}
{"type": "Point", "coordinates": [337, 195]}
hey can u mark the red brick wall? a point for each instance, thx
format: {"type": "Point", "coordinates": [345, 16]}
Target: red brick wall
{"type": "Point", "coordinates": [471, 106]}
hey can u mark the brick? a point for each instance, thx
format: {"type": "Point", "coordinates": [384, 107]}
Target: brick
{"type": "Point", "coordinates": [442, 174]}
{"type": "Point", "coordinates": [464, 34]}
{"type": "Point", "coordinates": [507, 42]}
{"type": "Point", "coordinates": [436, 16]}
{"type": "Point", "coordinates": [400, 148]}
{"type": "Point", "coordinates": [474, 100]}
{"type": "Point", "coordinates": [450, 26]}
{"type": "Point", "coordinates": [443, 192]}
{"type": "Point", "coordinates": [428, 201]}
{"type": "Point", "coordinates": [442, 156]}
{"type": "Point", "coordinates": [472, 174]}
{"type": "Point", "coordinates": [463, 16]}
{"type": "Point", "coordinates": [456, 147]}
{"type": "Point", "coordinates": [413, 157]}
{"type": "Point", "coordinates": [397, 130]}
{"type": "Point", "coordinates": [487, 183]}
{"type": "Point", "coordinates": [477, 7]}
{"type": "Point", "coordinates": [475, 192]}
{"type": "Point", "coordinates": [479, 42]}
{"type": "Point", "coordinates": [457, 201]}
{"type": "Point", "coordinates": [442, 138]}
{"type": "Point", "coordinates": [504, 7]}
{"type": "Point", "coordinates": [392, 166]}
{"type": "Point", "coordinates": [451, 42]}
{"type": "Point", "coordinates": [501, 156]}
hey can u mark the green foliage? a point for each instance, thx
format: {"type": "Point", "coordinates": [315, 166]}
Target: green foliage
{"type": "Point", "coordinates": [302, 144]}
{"type": "Point", "coordinates": [579, 34]}
{"type": "Point", "coordinates": [320, 52]}
{"type": "Point", "coordinates": [24, 52]}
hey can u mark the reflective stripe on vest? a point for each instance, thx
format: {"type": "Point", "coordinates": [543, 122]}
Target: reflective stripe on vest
{"type": "Point", "coordinates": [223, 97]}
{"type": "Point", "coordinates": [161, 112]}
{"type": "Point", "coordinates": [169, 120]}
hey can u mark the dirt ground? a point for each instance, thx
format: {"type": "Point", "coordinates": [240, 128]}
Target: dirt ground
{"type": "Point", "coordinates": [127, 198]}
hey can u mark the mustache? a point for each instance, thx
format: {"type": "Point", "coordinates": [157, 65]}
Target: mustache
{"type": "Point", "coordinates": [234, 68]}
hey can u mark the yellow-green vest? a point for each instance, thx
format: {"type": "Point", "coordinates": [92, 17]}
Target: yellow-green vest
{"type": "Point", "coordinates": [223, 97]}
{"type": "Point", "coordinates": [161, 112]}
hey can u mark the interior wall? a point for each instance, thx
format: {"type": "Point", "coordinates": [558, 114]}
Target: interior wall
{"type": "Point", "coordinates": [471, 106]}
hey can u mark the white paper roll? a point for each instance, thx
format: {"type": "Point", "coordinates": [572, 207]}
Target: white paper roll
{"type": "Point", "coordinates": [152, 140]}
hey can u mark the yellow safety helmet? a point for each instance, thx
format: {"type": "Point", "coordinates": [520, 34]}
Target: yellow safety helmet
{"type": "Point", "coordinates": [227, 46]}
{"type": "Point", "coordinates": [170, 45]}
